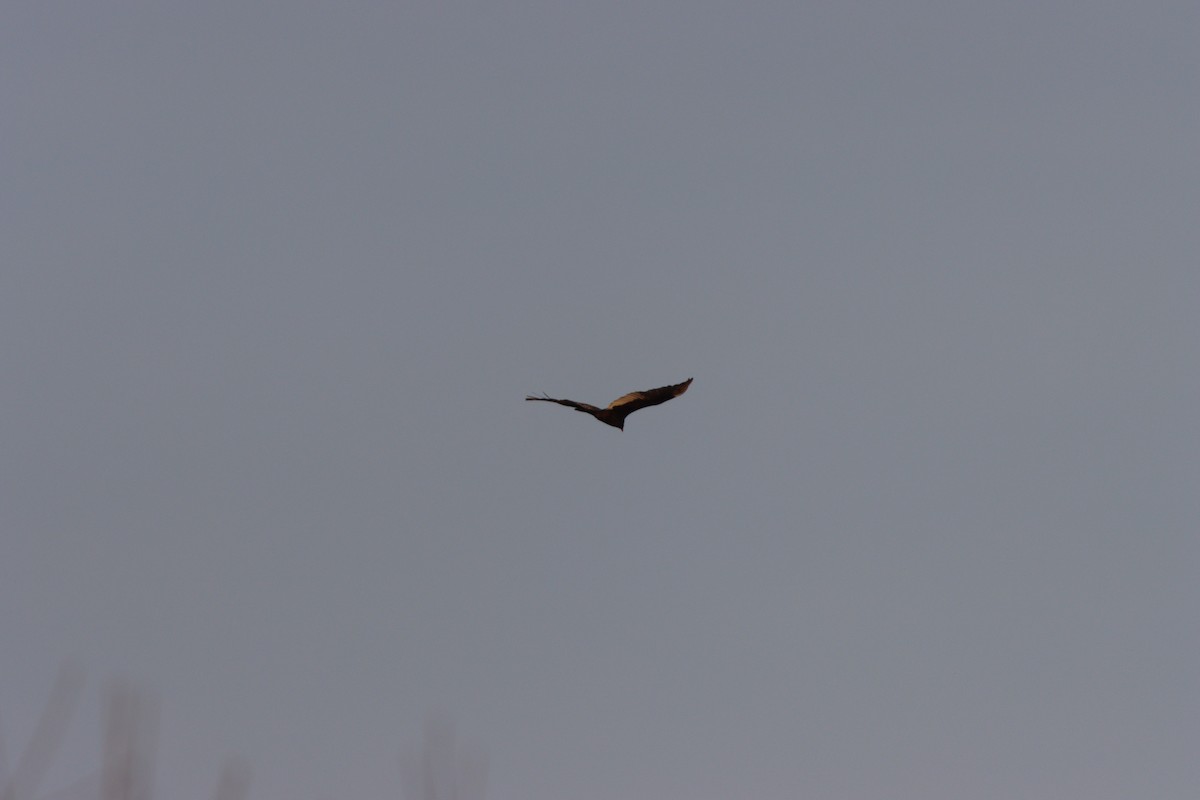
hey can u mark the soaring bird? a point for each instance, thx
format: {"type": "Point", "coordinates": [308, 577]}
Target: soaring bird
{"type": "Point", "coordinates": [623, 406]}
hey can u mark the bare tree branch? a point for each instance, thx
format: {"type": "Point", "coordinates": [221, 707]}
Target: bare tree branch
{"type": "Point", "coordinates": [130, 736]}
{"type": "Point", "coordinates": [39, 754]}
{"type": "Point", "coordinates": [443, 770]}
{"type": "Point", "coordinates": [235, 781]}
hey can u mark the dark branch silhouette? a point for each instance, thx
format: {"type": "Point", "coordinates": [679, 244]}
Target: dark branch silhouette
{"type": "Point", "coordinates": [623, 406]}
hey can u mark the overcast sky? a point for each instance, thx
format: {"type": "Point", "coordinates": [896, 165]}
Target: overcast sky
{"type": "Point", "coordinates": [275, 278]}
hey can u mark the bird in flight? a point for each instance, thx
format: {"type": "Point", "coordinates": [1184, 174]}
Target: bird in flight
{"type": "Point", "coordinates": [623, 406]}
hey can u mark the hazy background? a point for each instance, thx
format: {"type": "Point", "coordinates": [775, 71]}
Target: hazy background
{"type": "Point", "coordinates": [275, 277]}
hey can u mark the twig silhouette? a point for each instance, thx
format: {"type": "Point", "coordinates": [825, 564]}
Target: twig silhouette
{"type": "Point", "coordinates": [130, 736]}
{"type": "Point", "coordinates": [443, 771]}
{"type": "Point", "coordinates": [128, 743]}
{"type": "Point", "coordinates": [37, 758]}
{"type": "Point", "coordinates": [235, 781]}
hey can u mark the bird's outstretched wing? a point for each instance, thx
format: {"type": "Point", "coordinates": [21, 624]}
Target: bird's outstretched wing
{"type": "Point", "coordinates": [584, 407]}
{"type": "Point", "coordinates": [622, 407]}
{"type": "Point", "coordinates": [627, 404]}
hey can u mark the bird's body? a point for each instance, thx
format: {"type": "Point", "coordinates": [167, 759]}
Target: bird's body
{"type": "Point", "coordinates": [616, 411]}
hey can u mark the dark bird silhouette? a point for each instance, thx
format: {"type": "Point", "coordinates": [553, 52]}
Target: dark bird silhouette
{"type": "Point", "coordinates": [623, 406]}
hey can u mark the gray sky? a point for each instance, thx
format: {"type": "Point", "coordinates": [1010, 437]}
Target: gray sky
{"type": "Point", "coordinates": [275, 277]}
